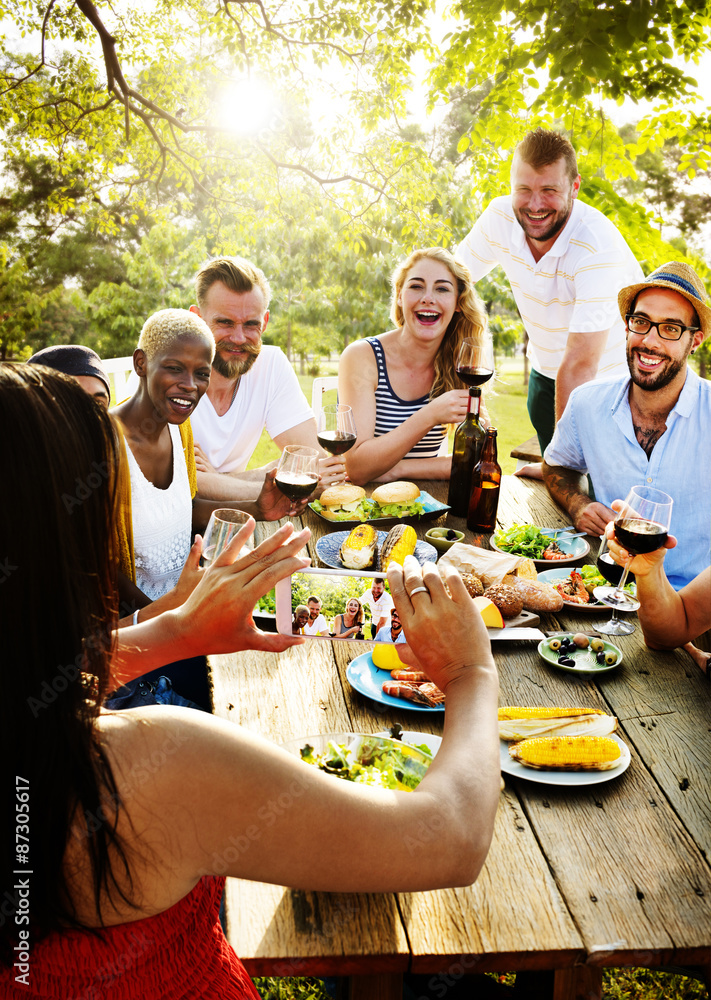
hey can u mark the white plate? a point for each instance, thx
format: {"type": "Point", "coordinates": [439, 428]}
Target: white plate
{"type": "Point", "coordinates": [516, 770]}
{"type": "Point", "coordinates": [577, 548]}
{"type": "Point", "coordinates": [327, 548]}
{"type": "Point", "coordinates": [554, 576]}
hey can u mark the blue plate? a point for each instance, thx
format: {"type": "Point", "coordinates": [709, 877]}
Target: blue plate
{"type": "Point", "coordinates": [328, 545]}
{"type": "Point", "coordinates": [574, 548]}
{"type": "Point", "coordinates": [368, 679]}
{"type": "Point", "coordinates": [432, 509]}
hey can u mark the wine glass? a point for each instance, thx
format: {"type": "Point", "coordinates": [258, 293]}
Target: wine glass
{"type": "Point", "coordinates": [223, 525]}
{"type": "Point", "coordinates": [335, 428]}
{"type": "Point", "coordinates": [297, 472]}
{"type": "Point", "coordinates": [612, 572]}
{"type": "Point", "coordinates": [475, 361]}
{"type": "Point", "coordinates": [641, 526]}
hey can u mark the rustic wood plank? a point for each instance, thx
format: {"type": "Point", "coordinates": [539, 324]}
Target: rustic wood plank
{"type": "Point", "coordinates": [530, 450]}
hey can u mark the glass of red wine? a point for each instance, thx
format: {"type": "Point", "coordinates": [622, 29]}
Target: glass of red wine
{"type": "Point", "coordinates": [641, 526]}
{"type": "Point", "coordinates": [612, 571]}
{"type": "Point", "coordinates": [475, 362]}
{"type": "Point", "coordinates": [335, 428]}
{"type": "Point", "coordinates": [297, 471]}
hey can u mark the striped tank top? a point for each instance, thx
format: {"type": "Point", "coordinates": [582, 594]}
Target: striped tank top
{"type": "Point", "coordinates": [391, 411]}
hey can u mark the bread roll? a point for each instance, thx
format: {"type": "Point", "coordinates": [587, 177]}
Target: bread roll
{"type": "Point", "coordinates": [507, 600]}
{"type": "Point", "coordinates": [400, 492]}
{"type": "Point", "coordinates": [341, 494]}
{"type": "Point", "coordinates": [536, 596]}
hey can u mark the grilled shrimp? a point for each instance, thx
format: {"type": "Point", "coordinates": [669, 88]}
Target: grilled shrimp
{"type": "Point", "coordinates": [412, 692]}
{"type": "Point", "coordinates": [573, 589]}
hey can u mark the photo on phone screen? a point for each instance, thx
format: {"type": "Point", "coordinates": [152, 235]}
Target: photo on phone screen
{"type": "Point", "coordinates": [338, 604]}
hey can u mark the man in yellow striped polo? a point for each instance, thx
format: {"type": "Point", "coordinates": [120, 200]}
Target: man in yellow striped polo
{"type": "Point", "coordinates": [565, 262]}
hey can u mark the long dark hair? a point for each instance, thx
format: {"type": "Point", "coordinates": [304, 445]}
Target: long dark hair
{"type": "Point", "coordinates": [58, 607]}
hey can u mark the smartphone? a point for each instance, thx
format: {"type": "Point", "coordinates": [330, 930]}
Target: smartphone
{"type": "Point", "coordinates": [310, 603]}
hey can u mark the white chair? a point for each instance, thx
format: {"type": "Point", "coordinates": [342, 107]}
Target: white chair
{"type": "Point", "coordinates": [119, 369]}
{"type": "Point", "coordinates": [320, 386]}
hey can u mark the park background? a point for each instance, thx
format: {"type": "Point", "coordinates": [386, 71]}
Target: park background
{"type": "Point", "coordinates": [325, 139]}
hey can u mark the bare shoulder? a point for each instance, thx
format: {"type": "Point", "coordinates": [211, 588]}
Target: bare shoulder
{"type": "Point", "coordinates": [357, 363]}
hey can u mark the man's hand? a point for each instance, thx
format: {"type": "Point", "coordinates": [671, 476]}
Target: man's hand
{"type": "Point", "coordinates": [568, 489]}
{"type": "Point", "coordinates": [592, 517]}
{"type": "Point", "coordinates": [272, 504]}
{"type": "Point", "coordinates": [202, 463]}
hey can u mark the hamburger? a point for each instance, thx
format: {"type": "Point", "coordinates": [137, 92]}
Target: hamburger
{"type": "Point", "coordinates": [398, 499]}
{"type": "Point", "coordinates": [343, 502]}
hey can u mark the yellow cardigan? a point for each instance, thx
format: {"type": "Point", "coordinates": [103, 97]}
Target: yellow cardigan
{"type": "Point", "coordinates": [123, 523]}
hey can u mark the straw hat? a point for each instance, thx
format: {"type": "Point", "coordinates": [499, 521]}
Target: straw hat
{"type": "Point", "coordinates": [679, 278]}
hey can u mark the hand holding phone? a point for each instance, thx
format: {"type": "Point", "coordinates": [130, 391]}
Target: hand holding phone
{"type": "Point", "coordinates": [446, 635]}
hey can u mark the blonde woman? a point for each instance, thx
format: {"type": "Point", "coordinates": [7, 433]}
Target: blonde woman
{"type": "Point", "coordinates": [402, 385]}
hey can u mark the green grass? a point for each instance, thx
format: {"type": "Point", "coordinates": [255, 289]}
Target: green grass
{"type": "Point", "coordinates": [507, 410]}
{"type": "Point", "coordinates": [617, 984]}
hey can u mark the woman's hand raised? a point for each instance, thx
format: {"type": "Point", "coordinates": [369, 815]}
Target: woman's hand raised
{"type": "Point", "coordinates": [445, 635]}
{"type": "Point", "coordinates": [218, 614]}
{"type": "Point", "coordinates": [449, 408]}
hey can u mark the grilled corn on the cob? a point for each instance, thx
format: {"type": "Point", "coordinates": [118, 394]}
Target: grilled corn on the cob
{"type": "Point", "coordinates": [360, 548]}
{"type": "Point", "coordinates": [400, 542]}
{"type": "Point", "coordinates": [568, 753]}
{"type": "Point", "coordinates": [524, 723]}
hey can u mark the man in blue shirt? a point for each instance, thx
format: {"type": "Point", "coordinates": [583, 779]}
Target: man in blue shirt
{"type": "Point", "coordinates": [651, 428]}
{"type": "Point", "coordinates": [393, 632]}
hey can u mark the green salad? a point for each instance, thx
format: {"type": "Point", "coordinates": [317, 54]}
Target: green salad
{"type": "Point", "coordinates": [372, 761]}
{"type": "Point", "coordinates": [593, 578]}
{"type": "Point", "coordinates": [523, 540]}
{"type": "Point", "coordinates": [370, 510]}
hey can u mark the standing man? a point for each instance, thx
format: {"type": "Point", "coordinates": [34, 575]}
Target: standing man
{"type": "Point", "coordinates": [565, 262]}
{"type": "Point", "coordinates": [651, 428]}
{"type": "Point", "coordinates": [252, 386]}
{"type": "Point", "coordinates": [316, 623]}
{"type": "Point", "coordinates": [379, 602]}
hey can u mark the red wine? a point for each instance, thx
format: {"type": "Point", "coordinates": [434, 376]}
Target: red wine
{"type": "Point", "coordinates": [640, 536]}
{"type": "Point", "coordinates": [474, 376]}
{"type": "Point", "coordinates": [336, 442]}
{"type": "Point", "coordinates": [296, 485]}
{"type": "Point", "coordinates": [611, 571]}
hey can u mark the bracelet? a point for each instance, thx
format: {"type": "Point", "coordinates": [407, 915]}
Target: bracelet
{"type": "Point", "coordinates": [135, 617]}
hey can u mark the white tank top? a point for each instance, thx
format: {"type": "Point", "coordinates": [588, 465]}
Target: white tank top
{"type": "Point", "coordinates": [162, 523]}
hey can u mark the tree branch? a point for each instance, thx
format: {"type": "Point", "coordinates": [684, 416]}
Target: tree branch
{"type": "Point", "coordinates": [42, 62]}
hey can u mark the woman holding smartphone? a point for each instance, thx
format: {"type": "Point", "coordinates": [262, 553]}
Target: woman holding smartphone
{"type": "Point", "coordinates": [135, 851]}
{"type": "Point", "coordinates": [350, 623]}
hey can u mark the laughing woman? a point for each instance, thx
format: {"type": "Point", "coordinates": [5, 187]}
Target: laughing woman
{"type": "Point", "coordinates": [402, 385]}
{"type": "Point", "coordinates": [173, 362]}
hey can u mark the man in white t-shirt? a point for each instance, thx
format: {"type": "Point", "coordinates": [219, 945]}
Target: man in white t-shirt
{"type": "Point", "coordinates": [317, 624]}
{"type": "Point", "coordinates": [379, 602]}
{"type": "Point", "coordinates": [252, 386]}
{"type": "Point", "coordinates": [565, 262]}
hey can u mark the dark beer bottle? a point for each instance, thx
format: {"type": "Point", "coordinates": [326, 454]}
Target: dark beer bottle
{"type": "Point", "coordinates": [486, 482]}
{"type": "Point", "coordinates": [466, 452]}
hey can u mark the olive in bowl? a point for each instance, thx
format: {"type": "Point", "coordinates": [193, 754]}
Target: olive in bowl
{"type": "Point", "coordinates": [444, 538]}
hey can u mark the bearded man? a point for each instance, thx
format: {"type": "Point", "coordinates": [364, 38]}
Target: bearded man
{"type": "Point", "coordinates": [650, 428]}
{"type": "Point", "coordinates": [252, 386]}
{"type": "Point", "coordinates": [565, 262]}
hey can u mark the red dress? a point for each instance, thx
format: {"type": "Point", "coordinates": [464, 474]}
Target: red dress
{"type": "Point", "coordinates": [179, 954]}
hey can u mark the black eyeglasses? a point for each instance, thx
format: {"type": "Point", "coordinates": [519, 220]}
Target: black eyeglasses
{"type": "Point", "coordinates": [667, 331]}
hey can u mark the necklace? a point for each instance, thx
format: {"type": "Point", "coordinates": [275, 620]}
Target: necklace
{"type": "Point", "coordinates": [234, 391]}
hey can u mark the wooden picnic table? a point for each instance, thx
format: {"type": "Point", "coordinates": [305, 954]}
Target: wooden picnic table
{"type": "Point", "coordinates": [576, 879]}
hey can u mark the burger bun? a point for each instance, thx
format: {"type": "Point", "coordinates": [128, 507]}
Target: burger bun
{"type": "Point", "coordinates": [399, 492]}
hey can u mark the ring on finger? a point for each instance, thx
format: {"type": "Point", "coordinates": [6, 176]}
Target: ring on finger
{"type": "Point", "coordinates": [418, 590]}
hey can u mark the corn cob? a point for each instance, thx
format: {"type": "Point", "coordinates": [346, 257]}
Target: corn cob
{"type": "Point", "coordinates": [570, 753]}
{"type": "Point", "coordinates": [360, 548]}
{"type": "Point", "coordinates": [544, 713]}
{"type": "Point", "coordinates": [400, 542]}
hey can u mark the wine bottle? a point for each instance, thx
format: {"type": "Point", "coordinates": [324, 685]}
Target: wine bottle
{"type": "Point", "coordinates": [466, 452]}
{"type": "Point", "coordinates": [486, 482]}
